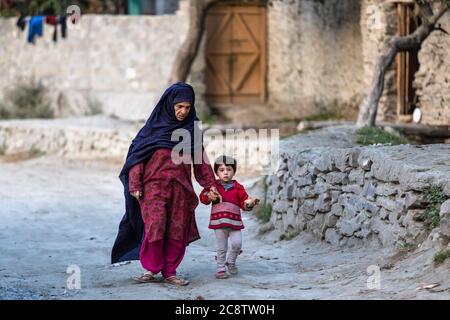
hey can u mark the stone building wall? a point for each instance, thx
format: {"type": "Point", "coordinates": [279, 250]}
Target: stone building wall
{"type": "Point", "coordinates": [315, 61]}
{"type": "Point", "coordinates": [119, 62]}
{"type": "Point", "coordinates": [432, 81]}
{"type": "Point", "coordinates": [350, 195]}
{"type": "Point", "coordinates": [378, 23]}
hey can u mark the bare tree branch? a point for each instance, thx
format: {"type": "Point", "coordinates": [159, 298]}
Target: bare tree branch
{"type": "Point", "coordinates": [198, 10]}
{"type": "Point", "coordinates": [369, 106]}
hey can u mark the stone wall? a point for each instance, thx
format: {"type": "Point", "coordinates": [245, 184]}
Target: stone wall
{"type": "Point", "coordinates": [315, 62]}
{"type": "Point", "coordinates": [378, 23]}
{"type": "Point", "coordinates": [432, 81]}
{"type": "Point", "coordinates": [349, 195]}
{"type": "Point", "coordinates": [119, 62]}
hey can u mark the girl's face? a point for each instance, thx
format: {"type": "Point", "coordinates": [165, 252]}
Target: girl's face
{"type": "Point", "coordinates": [225, 172]}
{"type": "Point", "coordinates": [182, 110]}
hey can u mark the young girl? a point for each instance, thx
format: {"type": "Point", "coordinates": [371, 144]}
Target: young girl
{"type": "Point", "coordinates": [226, 215]}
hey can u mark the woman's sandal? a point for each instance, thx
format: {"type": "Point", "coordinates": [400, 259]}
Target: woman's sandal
{"type": "Point", "coordinates": [177, 281]}
{"type": "Point", "coordinates": [222, 275]}
{"type": "Point", "coordinates": [146, 278]}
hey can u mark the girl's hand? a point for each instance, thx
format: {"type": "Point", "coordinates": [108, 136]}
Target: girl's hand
{"type": "Point", "coordinates": [250, 202]}
{"type": "Point", "coordinates": [136, 194]}
{"type": "Point", "coordinates": [214, 195]}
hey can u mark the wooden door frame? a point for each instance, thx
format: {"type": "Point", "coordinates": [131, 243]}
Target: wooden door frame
{"type": "Point", "coordinates": [264, 54]}
{"type": "Point", "coordinates": [407, 62]}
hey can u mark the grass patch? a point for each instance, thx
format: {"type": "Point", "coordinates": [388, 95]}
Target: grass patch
{"type": "Point", "coordinates": [406, 246]}
{"type": "Point", "coordinates": [441, 256]}
{"type": "Point", "coordinates": [324, 116]}
{"type": "Point", "coordinates": [371, 135]}
{"type": "Point", "coordinates": [435, 198]}
{"type": "Point", "coordinates": [26, 100]}
{"type": "Point", "coordinates": [264, 211]}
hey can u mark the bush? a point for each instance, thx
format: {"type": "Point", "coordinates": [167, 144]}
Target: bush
{"type": "Point", "coordinates": [370, 135]}
{"type": "Point", "coordinates": [26, 100]}
{"type": "Point", "coordinates": [435, 198]}
{"type": "Point", "coordinates": [441, 256]}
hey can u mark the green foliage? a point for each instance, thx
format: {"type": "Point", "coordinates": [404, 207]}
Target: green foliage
{"type": "Point", "coordinates": [371, 135]}
{"type": "Point", "coordinates": [324, 116]}
{"type": "Point", "coordinates": [435, 198]}
{"type": "Point", "coordinates": [406, 246]}
{"type": "Point", "coordinates": [26, 100]}
{"type": "Point", "coordinates": [431, 217]}
{"type": "Point", "coordinates": [265, 212]}
{"type": "Point", "coordinates": [435, 195]}
{"type": "Point", "coordinates": [441, 256]}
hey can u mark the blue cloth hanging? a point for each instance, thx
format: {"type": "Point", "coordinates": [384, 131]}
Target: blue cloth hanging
{"type": "Point", "coordinates": [35, 28]}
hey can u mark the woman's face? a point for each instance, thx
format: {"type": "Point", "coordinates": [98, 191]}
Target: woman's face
{"type": "Point", "coordinates": [182, 110]}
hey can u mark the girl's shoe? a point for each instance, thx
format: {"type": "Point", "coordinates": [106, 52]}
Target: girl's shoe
{"type": "Point", "coordinates": [177, 281]}
{"type": "Point", "coordinates": [221, 275]}
{"type": "Point", "coordinates": [232, 269]}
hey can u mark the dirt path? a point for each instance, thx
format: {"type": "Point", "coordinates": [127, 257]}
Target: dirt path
{"type": "Point", "coordinates": [56, 213]}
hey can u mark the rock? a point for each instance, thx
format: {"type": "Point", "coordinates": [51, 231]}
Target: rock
{"type": "Point", "coordinates": [348, 227]}
{"type": "Point", "coordinates": [387, 203]}
{"type": "Point", "coordinates": [305, 181]}
{"type": "Point", "coordinates": [280, 206]}
{"type": "Point", "coordinates": [306, 192]}
{"type": "Point", "coordinates": [445, 209]}
{"type": "Point", "coordinates": [336, 209]}
{"type": "Point", "coordinates": [307, 208]}
{"type": "Point", "coordinates": [336, 178]}
{"type": "Point", "coordinates": [366, 164]}
{"type": "Point", "coordinates": [323, 162]}
{"type": "Point", "coordinates": [323, 203]}
{"type": "Point", "coordinates": [356, 176]}
{"type": "Point", "coordinates": [444, 214]}
{"type": "Point", "coordinates": [330, 220]}
{"type": "Point", "coordinates": [290, 189]}
{"type": "Point", "coordinates": [317, 226]}
{"type": "Point", "coordinates": [413, 200]}
{"type": "Point", "coordinates": [332, 237]}
{"type": "Point", "coordinates": [352, 188]}
{"type": "Point", "coordinates": [384, 214]}
{"type": "Point", "coordinates": [369, 190]}
{"type": "Point", "coordinates": [321, 187]}
{"type": "Point", "coordinates": [289, 220]}
{"type": "Point", "coordinates": [386, 189]}
{"type": "Point", "coordinates": [335, 195]}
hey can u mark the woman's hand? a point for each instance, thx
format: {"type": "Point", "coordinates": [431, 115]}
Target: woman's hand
{"type": "Point", "coordinates": [136, 194]}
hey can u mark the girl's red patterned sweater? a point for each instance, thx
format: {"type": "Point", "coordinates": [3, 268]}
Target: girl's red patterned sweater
{"type": "Point", "coordinates": [228, 212]}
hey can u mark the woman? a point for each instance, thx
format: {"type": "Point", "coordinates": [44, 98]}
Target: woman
{"type": "Point", "coordinates": [159, 197]}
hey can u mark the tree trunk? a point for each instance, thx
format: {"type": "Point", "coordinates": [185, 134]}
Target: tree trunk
{"type": "Point", "coordinates": [189, 49]}
{"type": "Point", "coordinates": [369, 106]}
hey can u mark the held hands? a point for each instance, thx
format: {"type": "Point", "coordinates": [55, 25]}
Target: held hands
{"type": "Point", "coordinates": [214, 195]}
{"type": "Point", "coordinates": [136, 194]}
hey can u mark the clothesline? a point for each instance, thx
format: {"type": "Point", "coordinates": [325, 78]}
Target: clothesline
{"type": "Point", "coordinates": [36, 26]}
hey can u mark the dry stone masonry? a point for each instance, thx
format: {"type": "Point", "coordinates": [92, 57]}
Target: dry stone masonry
{"type": "Point", "coordinates": [350, 195]}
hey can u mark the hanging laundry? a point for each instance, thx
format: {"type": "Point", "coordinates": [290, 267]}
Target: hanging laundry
{"type": "Point", "coordinates": [35, 28]}
{"type": "Point", "coordinates": [21, 22]}
{"type": "Point", "coordinates": [53, 20]}
{"type": "Point", "coordinates": [63, 22]}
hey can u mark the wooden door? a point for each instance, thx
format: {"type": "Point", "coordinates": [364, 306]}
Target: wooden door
{"type": "Point", "coordinates": [235, 54]}
{"type": "Point", "coordinates": [407, 62]}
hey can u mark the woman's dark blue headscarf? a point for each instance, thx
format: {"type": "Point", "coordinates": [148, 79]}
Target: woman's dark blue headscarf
{"type": "Point", "coordinates": [155, 134]}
